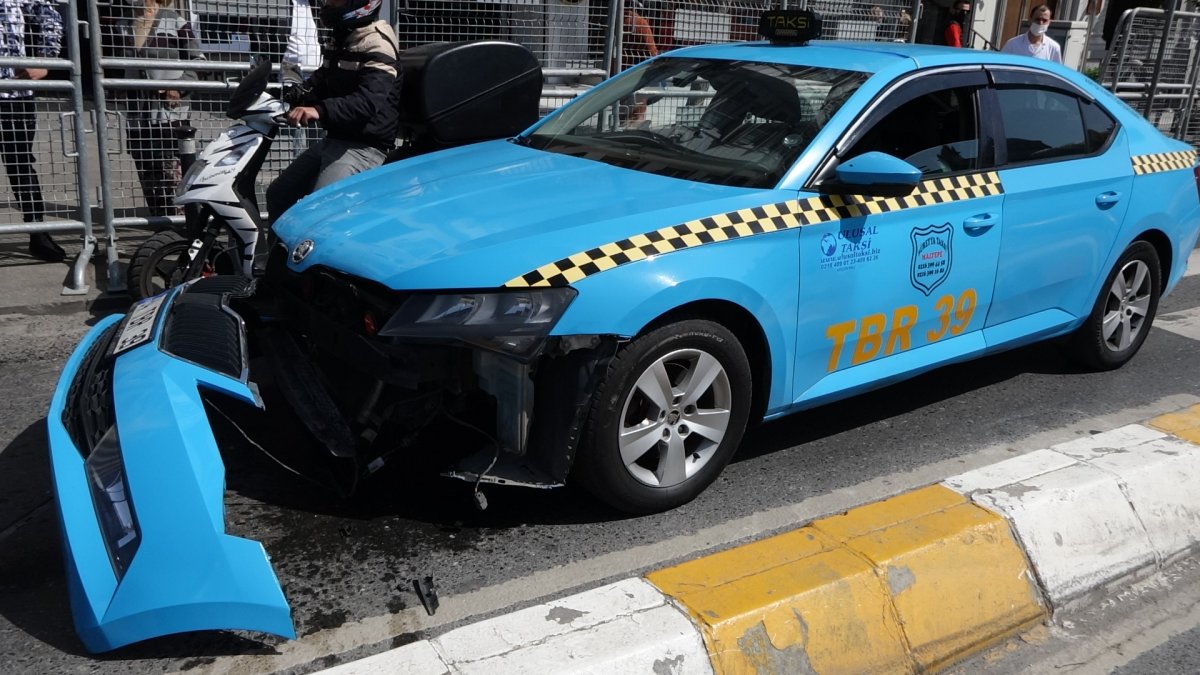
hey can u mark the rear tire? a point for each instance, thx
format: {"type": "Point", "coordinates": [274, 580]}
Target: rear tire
{"type": "Point", "coordinates": [1124, 311]}
{"type": "Point", "coordinates": [667, 417]}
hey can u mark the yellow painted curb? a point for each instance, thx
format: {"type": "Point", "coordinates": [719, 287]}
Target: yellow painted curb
{"type": "Point", "coordinates": [905, 584]}
{"type": "Point", "coordinates": [1185, 424]}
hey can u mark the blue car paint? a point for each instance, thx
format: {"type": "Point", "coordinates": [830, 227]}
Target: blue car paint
{"type": "Point", "coordinates": [187, 574]}
{"type": "Point", "coordinates": [474, 221]}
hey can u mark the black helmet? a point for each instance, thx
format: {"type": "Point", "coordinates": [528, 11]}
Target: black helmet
{"type": "Point", "coordinates": [353, 14]}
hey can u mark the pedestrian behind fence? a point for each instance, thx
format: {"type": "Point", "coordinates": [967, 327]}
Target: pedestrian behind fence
{"type": "Point", "coordinates": [955, 32]}
{"type": "Point", "coordinates": [157, 29]}
{"type": "Point", "coordinates": [31, 28]}
{"type": "Point", "coordinates": [1034, 42]}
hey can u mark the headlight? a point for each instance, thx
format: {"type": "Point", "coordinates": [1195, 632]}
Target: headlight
{"type": "Point", "coordinates": [190, 177]}
{"type": "Point", "coordinates": [110, 494]}
{"type": "Point", "coordinates": [514, 322]}
{"type": "Point", "coordinates": [236, 155]}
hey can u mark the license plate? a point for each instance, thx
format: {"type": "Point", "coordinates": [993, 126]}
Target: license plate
{"type": "Point", "coordinates": [139, 325]}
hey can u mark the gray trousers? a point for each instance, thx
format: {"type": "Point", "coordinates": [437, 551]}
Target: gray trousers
{"type": "Point", "coordinates": [326, 161]}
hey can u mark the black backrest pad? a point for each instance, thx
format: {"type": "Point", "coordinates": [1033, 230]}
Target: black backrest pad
{"type": "Point", "coordinates": [460, 92]}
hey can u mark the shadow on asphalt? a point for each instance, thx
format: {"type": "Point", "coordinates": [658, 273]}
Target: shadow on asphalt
{"type": "Point", "coordinates": [934, 387]}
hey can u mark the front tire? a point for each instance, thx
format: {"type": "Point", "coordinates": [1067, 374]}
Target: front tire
{"type": "Point", "coordinates": [161, 262]}
{"type": "Point", "coordinates": [667, 417]}
{"type": "Point", "coordinates": [1124, 311]}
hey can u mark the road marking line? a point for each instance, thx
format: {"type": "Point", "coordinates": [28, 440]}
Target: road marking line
{"type": "Point", "coordinates": [1185, 323]}
{"type": "Point", "coordinates": [1193, 266]}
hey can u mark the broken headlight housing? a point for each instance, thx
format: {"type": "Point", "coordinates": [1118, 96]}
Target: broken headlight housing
{"type": "Point", "coordinates": [110, 494]}
{"type": "Point", "coordinates": [512, 322]}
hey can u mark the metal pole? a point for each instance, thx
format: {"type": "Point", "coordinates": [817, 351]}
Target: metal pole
{"type": "Point", "coordinates": [1158, 61]}
{"type": "Point", "coordinates": [78, 283]}
{"type": "Point", "coordinates": [116, 280]}
{"type": "Point", "coordinates": [915, 16]}
{"type": "Point", "coordinates": [612, 42]}
{"type": "Point", "coordinates": [1191, 97]}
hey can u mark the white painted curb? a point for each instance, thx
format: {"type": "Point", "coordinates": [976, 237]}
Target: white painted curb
{"type": "Point", "coordinates": [1096, 509]}
{"type": "Point", "coordinates": [625, 627]}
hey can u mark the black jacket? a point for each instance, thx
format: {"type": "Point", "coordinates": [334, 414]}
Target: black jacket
{"type": "Point", "coordinates": [357, 88]}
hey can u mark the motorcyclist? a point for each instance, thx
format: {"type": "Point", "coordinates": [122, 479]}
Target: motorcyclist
{"type": "Point", "coordinates": [354, 96]}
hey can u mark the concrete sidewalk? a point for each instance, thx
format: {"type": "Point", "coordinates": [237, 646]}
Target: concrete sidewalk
{"type": "Point", "coordinates": [32, 286]}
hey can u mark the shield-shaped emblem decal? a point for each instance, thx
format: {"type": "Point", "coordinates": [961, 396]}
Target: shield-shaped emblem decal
{"type": "Point", "coordinates": [932, 256]}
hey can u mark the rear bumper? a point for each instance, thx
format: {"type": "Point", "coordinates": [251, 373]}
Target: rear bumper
{"type": "Point", "coordinates": [184, 573]}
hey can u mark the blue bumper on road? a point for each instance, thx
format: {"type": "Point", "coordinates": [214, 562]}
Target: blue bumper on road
{"type": "Point", "coordinates": [140, 483]}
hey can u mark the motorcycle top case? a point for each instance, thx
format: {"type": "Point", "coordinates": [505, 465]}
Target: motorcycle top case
{"type": "Point", "coordinates": [139, 480]}
{"type": "Point", "coordinates": [461, 92]}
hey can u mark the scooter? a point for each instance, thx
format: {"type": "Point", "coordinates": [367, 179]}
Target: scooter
{"type": "Point", "coordinates": [223, 223]}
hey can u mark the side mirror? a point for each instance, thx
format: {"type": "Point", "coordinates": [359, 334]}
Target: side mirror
{"type": "Point", "coordinates": [874, 173]}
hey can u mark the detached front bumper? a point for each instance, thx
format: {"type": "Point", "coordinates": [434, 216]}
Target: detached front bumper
{"type": "Point", "coordinates": [140, 482]}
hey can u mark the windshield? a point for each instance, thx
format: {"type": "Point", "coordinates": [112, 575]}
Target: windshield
{"type": "Point", "coordinates": [736, 123]}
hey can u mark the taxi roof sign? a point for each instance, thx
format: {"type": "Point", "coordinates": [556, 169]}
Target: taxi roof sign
{"type": "Point", "coordinates": [790, 26]}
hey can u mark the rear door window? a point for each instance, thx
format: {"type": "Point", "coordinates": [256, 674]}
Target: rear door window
{"type": "Point", "coordinates": [1042, 124]}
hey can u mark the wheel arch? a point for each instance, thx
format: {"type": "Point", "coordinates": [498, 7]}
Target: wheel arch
{"type": "Point", "coordinates": [745, 327]}
{"type": "Point", "coordinates": [1162, 247]}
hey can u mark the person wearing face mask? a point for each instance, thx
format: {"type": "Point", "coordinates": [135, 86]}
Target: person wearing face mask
{"type": "Point", "coordinates": [954, 30]}
{"type": "Point", "coordinates": [354, 96]}
{"type": "Point", "coordinates": [1035, 42]}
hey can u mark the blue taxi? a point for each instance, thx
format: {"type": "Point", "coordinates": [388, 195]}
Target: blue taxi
{"type": "Point", "coordinates": [722, 235]}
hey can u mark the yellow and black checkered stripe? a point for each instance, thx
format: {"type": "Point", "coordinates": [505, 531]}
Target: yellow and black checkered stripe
{"type": "Point", "coordinates": [749, 222]}
{"type": "Point", "coordinates": [1163, 161]}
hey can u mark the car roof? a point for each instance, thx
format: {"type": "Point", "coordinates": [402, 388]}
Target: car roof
{"type": "Point", "coordinates": [867, 57]}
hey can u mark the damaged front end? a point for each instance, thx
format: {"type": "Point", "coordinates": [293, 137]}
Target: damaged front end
{"type": "Point", "coordinates": [140, 482]}
{"type": "Point", "coordinates": [470, 381]}
{"type": "Point", "coordinates": [470, 384]}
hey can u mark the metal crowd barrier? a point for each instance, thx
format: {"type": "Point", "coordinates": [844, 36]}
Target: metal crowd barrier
{"type": "Point", "coordinates": [56, 144]}
{"type": "Point", "coordinates": [1152, 66]}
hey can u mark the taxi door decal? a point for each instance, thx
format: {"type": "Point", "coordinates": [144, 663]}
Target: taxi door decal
{"type": "Point", "coordinates": [753, 221]}
{"type": "Point", "coordinates": [1163, 161]}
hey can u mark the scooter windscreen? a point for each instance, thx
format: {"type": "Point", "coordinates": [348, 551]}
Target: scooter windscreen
{"type": "Point", "coordinates": [249, 88]}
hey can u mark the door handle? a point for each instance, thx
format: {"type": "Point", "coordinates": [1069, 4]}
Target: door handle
{"type": "Point", "coordinates": [1107, 199]}
{"type": "Point", "coordinates": [979, 224]}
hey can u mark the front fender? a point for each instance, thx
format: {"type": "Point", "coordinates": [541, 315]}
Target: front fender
{"type": "Point", "coordinates": [759, 274]}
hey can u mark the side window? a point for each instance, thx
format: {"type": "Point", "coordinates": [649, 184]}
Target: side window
{"type": "Point", "coordinates": [1099, 125]}
{"type": "Point", "coordinates": [937, 132]}
{"type": "Point", "coordinates": [1041, 124]}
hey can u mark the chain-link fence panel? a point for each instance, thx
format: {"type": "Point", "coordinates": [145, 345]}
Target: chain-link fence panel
{"type": "Point", "coordinates": [168, 64]}
{"type": "Point", "coordinates": [37, 146]}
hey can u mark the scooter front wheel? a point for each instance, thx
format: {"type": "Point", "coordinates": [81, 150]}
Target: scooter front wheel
{"type": "Point", "coordinates": [161, 262]}
{"type": "Point", "coordinates": [158, 264]}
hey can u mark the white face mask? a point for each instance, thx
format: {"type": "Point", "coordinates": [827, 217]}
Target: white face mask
{"type": "Point", "coordinates": [1038, 29]}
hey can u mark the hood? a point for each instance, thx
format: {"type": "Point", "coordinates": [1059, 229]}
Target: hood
{"type": "Point", "coordinates": [477, 216]}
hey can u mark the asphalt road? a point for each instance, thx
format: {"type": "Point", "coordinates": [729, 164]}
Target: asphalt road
{"type": "Point", "coordinates": [347, 566]}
